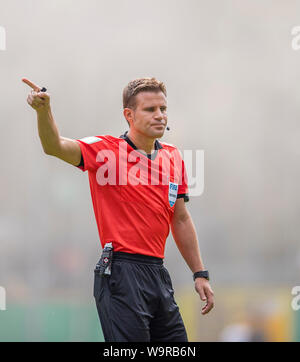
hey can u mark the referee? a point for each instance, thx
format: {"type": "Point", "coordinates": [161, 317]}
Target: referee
{"type": "Point", "coordinates": [139, 189]}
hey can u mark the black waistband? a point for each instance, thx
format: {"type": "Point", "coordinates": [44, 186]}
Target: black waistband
{"type": "Point", "coordinates": [138, 258]}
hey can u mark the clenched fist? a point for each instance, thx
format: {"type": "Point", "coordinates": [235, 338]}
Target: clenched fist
{"type": "Point", "coordinates": [36, 99]}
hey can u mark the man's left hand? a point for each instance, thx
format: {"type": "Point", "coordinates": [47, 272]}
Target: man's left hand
{"type": "Point", "coordinates": [203, 288]}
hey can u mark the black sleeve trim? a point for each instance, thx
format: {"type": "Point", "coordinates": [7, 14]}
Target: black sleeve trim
{"type": "Point", "coordinates": [185, 196]}
{"type": "Point", "coordinates": [81, 162]}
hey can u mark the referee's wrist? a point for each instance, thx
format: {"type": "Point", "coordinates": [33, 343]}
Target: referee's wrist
{"type": "Point", "coordinates": [201, 274]}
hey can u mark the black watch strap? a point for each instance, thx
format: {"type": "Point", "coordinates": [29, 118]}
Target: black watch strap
{"type": "Point", "coordinates": [201, 274]}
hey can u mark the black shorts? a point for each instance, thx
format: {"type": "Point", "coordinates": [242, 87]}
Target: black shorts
{"type": "Point", "coordinates": [136, 302]}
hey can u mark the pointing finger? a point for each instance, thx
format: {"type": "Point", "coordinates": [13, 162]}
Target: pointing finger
{"type": "Point", "coordinates": [31, 84]}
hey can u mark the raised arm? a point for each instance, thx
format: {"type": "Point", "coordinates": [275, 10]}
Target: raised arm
{"type": "Point", "coordinates": [53, 144]}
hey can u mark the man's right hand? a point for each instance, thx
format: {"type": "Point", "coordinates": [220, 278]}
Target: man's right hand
{"type": "Point", "coordinates": [53, 144]}
{"type": "Point", "coordinates": [38, 100]}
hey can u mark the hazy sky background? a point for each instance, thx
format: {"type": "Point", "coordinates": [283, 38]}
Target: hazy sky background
{"type": "Point", "coordinates": [233, 83]}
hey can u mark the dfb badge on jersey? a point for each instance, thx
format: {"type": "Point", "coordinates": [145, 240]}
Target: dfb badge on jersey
{"type": "Point", "coordinates": [173, 189]}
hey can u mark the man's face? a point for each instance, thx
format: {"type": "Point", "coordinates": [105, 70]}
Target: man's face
{"type": "Point", "coordinates": [150, 115]}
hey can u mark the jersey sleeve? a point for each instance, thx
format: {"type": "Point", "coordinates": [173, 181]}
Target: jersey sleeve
{"type": "Point", "coordinates": [183, 191]}
{"type": "Point", "coordinates": [89, 147]}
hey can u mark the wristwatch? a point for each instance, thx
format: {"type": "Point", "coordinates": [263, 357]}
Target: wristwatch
{"type": "Point", "coordinates": [201, 274]}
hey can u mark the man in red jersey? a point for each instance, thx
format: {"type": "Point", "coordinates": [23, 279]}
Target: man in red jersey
{"type": "Point", "coordinates": [139, 189]}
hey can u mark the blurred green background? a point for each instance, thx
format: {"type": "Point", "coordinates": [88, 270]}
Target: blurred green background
{"type": "Point", "coordinates": [260, 314]}
{"type": "Point", "coordinates": [50, 322]}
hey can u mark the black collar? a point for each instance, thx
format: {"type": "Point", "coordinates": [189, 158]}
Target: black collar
{"type": "Point", "coordinates": [151, 156]}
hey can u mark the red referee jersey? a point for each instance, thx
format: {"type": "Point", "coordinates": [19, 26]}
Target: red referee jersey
{"type": "Point", "coordinates": [133, 193]}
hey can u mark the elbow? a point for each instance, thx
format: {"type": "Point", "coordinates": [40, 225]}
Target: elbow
{"type": "Point", "coordinates": [51, 150]}
{"type": "Point", "coordinates": [48, 151]}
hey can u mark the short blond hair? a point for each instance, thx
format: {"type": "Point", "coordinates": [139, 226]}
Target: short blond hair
{"type": "Point", "coordinates": [141, 85]}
